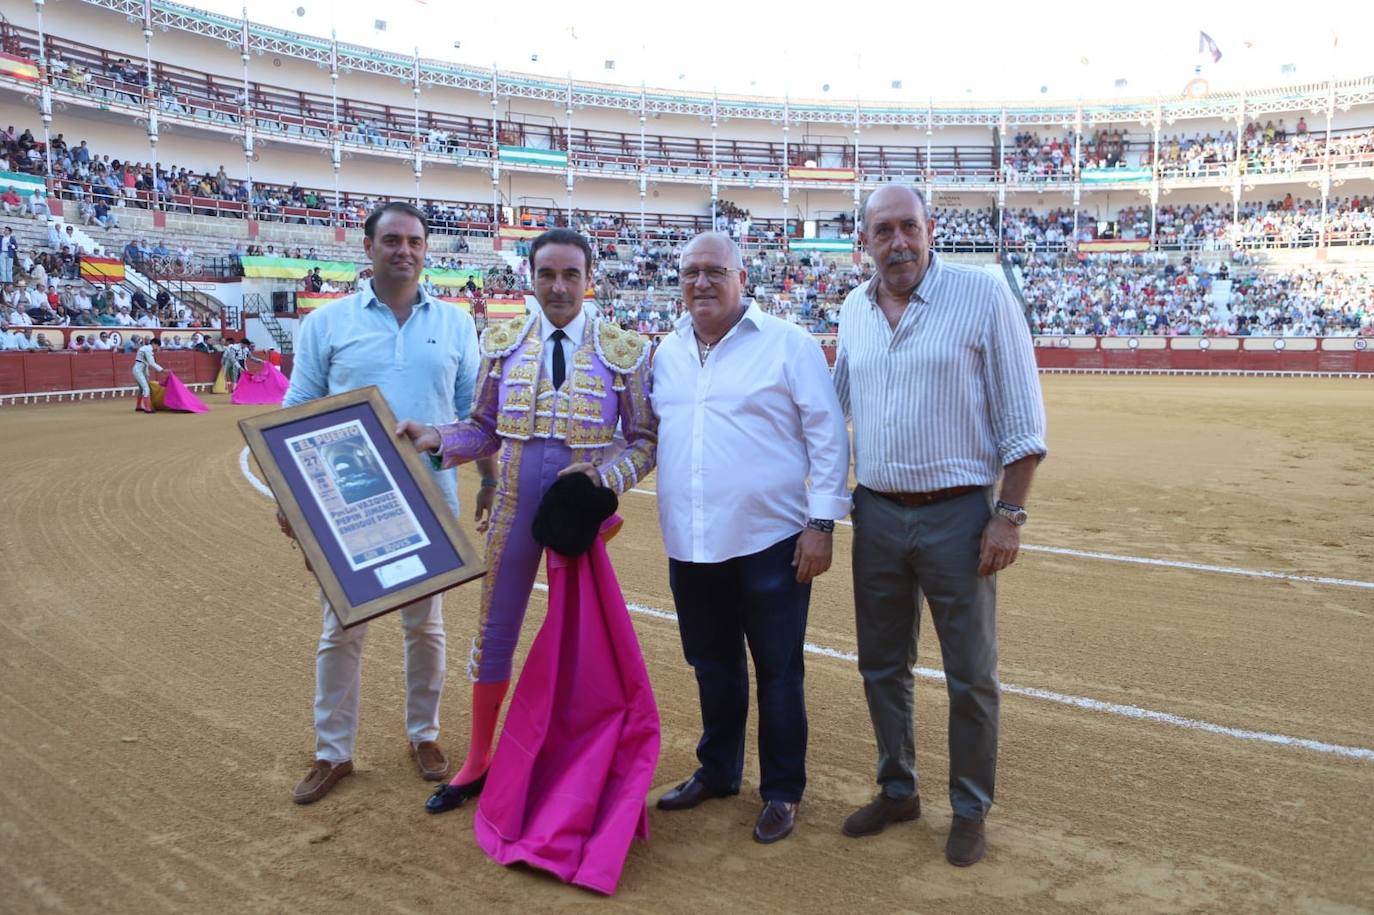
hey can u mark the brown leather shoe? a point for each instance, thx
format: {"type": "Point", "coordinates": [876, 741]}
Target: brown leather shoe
{"type": "Point", "coordinates": [430, 760]}
{"type": "Point", "coordinates": [320, 780]}
{"type": "Point", "coordinates": [966, 844]}
{"type": "Point", "coordinates": [877, 814]}
{"type": "Point", "coordinates": [689, 794]}
{"type": "Point", "coordinates": [775, 822]}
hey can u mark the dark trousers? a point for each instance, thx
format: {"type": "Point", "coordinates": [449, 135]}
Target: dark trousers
{"type": "Point", "coordinates": [901, 553]}
{"type": "Point", "coordinates": [720, 606]}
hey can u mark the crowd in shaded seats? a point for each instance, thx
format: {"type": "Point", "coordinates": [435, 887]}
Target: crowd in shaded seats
{"type": "Point", "coordinates": [1133, 294]}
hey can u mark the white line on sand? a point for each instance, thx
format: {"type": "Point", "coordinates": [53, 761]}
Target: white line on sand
{"type": "Point", "coordinates": [1029, 692]}
{"type": "Point", "coordinates": [1169, 563]}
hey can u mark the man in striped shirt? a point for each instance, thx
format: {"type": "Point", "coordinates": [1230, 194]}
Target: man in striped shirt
{"type": "Point", "coordinates": [936, 369]}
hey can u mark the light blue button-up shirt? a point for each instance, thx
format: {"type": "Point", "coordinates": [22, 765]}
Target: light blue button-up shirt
{"type": "Point", "coordinates": [426, 369]}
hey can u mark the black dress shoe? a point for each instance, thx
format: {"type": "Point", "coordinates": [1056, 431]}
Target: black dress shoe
{"type": "Point", "coordinates": [689, 794]}
{"type": "Point", "coordinates": [775, 822]}
{"type": "Point", "coordinates": [447, 797]}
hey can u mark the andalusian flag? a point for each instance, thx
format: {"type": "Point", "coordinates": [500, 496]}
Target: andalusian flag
{"type": "Point", "coordinates": [526, 155]}
{"type": "Point", "coordinates": [291, 268]}
{"type": "Point", "coordinates": [102, 269]}
{"type": "Point", "coordinates": [1118, 175]}
{"type": "Point", "coordinates": [18, 67]}
{"type": "Point", "coordinates": [23, 184]}
{"type": "Point", "coordinates": [453, 279]}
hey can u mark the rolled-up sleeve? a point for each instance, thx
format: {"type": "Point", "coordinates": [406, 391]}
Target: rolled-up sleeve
{"type": "Point", "coordinates": [1015, 399]}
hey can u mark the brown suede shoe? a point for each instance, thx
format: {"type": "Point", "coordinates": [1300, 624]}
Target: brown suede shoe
{"type": "Point", "coordinates": [877, 814]}
{"type": "Point", "coordinates": [430, 760]}
{"type": "Point", "coordinates": [320, 780]}
{"type": "Point", "coordinates": [966, 844]}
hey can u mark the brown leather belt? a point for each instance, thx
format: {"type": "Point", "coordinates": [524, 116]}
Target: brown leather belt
{"type": "Point", "coordinates": [919, 499]}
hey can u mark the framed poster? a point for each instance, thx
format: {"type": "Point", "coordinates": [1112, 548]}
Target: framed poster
{"type": "Point", "coordinates": [364, 507]}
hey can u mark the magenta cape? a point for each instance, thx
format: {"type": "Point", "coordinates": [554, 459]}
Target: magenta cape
{"type": "Point", "coordinates": [179, 398]}
{"type": "Point", "coordinates": [567, 787]}
{"type": "Point", "coordinates": [266, 385]}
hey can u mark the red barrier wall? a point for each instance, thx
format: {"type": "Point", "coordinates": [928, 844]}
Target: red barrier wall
{"type": "Point", "coordinates": [37, 373]}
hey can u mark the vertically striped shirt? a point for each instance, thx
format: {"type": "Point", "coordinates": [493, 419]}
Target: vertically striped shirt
{"type": "Point", "coordinates": [951, 395]}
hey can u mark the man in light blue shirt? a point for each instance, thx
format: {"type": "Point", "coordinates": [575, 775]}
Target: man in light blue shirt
{"type": "Point", "coordinates": [422, 353]}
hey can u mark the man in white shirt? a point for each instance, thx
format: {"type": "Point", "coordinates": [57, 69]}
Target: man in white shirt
{"type": "Point", "coordinates": [747, 414]}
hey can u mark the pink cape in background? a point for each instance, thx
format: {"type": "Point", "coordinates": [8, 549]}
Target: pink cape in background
{"type": "Point", "coordinates": [177, 397]}
{"type": "Point", "coordinates": [568, 785]}
{"type": "Point", "coordinates": [266, 385]}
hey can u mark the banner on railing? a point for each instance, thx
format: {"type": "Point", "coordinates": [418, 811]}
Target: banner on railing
{"type": "Point", "coordinates": [824, 245]}
{"type": "Point", "coordinates": [308, 301]}
{"type": "Point", "coordinates": [23, 185]}
{"type": "Point", "coordinates": [501, 307]}
{"type": "Point", "coordinates": [1112, 245]}
{"type": "Point", "coordinates": [1117, 176]}
{"type": "Point", "coordinates": [519, 233]}
{"type": "Point", "coordinates": [102, 269]}
{"type": "Point", "coordinates": [292, 268]}
{"type": "Point", "coordinates": [802, 173]}
{"type": "Point", "coordinates": [18, 67]}
{"type": "Point", "coordinates": [525, 155]}
{"type": "Point", "coordinates": [453, 279]}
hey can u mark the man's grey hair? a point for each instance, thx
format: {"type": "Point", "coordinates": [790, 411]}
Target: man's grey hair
{"type": "Point", "coordinates": [733, 255]}
{"type": "Point", "coordinates": [920, 198]}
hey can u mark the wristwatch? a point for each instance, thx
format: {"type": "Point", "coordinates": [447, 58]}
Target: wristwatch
{"type": "Point", "coordinates": [824, 525]}
{"type": "Point", "coordinates": [1013, 513]}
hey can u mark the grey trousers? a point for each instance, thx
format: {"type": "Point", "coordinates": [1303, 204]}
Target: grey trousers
{"type": "Point", "coordinates": [900, 554]}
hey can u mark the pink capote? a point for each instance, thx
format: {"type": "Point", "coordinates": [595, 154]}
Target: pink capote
{"type": "Point", "coordinates": [567, 787]}
{"type": "Point", "coordinates": [179, 398]}
{"type": "Point", "coordinates": [266, 385]}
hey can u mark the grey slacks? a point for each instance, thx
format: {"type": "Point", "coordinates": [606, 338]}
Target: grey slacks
{"type": "Point", "coordinates": [900, 554]}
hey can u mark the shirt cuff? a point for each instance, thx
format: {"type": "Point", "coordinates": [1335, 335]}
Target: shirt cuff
{"type": "Point", "coordinates": [1020, 446]}
{"type": "Point", "coordinates": [827, 508]}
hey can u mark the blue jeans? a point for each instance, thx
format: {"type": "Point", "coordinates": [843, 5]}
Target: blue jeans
{"type": "Point", "coordinates": [721, 606]}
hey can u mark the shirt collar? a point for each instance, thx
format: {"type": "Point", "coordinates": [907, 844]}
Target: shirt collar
{"type": "Point", "coordinates": [924, 291]}
{"type": "Point", "coordinates": [574, 329]}
{"type": "Point", "coordinates": [752, 313]}
{"type": "Point", "coordinates": [370, 297]}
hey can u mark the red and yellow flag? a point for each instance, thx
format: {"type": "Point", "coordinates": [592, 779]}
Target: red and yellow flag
{"type": "Point", "coordinates": [19, 67]}
{"type": "Point", "coordinates": [102, 269]}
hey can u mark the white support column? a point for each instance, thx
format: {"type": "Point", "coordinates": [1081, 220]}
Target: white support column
{"type": "Point", "coordinates": [643, 160]}
{"type": "Point", "coordinates": [44, 92]}
{"type": "Point", "coordinates": [416, 145]}
{"type": "Point", "coordinates": [495, 160]}
{"type": "Point", "coordinates": [1326, 161]}
{"type": "Point", "coordinates": [150, 91]}
{"type": "Point", "coordinates": [246, 113]}
{"type": "Point", "coordinates": [335, 128]}
{"type": "Point", "coordinates": [567, 149]}
{"type": "Point", "coordinates": [786, 169]}
{"type": "Point", "coordinates": [715, 161]}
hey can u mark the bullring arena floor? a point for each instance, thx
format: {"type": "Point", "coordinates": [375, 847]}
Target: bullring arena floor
{"type": "Point", "coordinates": [156, 662]}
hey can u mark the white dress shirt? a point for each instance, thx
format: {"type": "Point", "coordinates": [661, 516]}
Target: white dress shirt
{"type": "Point", "coordinates": [740, 436]}
{"type": "Point", "coordinates": [574, 331]}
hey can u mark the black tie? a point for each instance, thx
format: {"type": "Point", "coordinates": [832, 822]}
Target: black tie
{"type": "Point", "coordinates": [560, 368]}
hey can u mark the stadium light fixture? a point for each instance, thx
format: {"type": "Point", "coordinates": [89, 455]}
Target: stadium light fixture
{"type": "Point", "coordinates": [610, 65]}
{"type": "Point", "coordinates": [896, 84]}
{"type": "Point", "coordinates": [379, 25]}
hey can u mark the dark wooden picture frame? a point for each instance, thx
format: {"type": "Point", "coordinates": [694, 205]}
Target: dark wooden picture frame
{"type": "Point", "coordinates": [445, 558]}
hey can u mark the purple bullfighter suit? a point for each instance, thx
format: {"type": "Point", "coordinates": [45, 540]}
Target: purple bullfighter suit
{"type": "Point", "coordinates": [539, 432]}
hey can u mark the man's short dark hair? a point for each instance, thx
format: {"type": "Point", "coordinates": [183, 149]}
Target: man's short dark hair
{"type": "Point", "coordinates": [394, 206]}
{"type": "Point", "coordinates": [563, 237]}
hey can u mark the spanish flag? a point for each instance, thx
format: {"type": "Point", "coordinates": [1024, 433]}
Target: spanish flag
{"type": "Point", "coordinates": [18, 67]}
{"type": "Point", "coordinates": [802, 173]}
{"type": "Point", "coordinates": [102, 269]}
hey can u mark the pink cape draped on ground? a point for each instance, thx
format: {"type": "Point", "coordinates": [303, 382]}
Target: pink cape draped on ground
{"type": "Point", "coordinates": [179, 398]}
{"type": "Point", "coordinates": [266, 385]}
{"type": "Point", "coordinates": [567, 787]}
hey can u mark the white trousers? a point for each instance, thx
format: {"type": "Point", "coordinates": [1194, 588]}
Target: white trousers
{"type": "Point", "coordinates": [339, 677]}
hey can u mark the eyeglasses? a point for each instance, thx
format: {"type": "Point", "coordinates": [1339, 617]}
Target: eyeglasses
{"type": "Point", "coordinates": [714, 275]}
